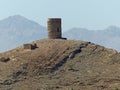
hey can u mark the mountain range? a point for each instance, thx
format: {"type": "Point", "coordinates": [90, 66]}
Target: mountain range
{"type": "Point", "coordinates": [17, 30]}
{"type": "Point", "coordinates": [108, 37]}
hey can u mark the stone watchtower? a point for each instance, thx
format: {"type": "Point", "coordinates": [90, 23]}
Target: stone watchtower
{"type": "Point", "coordinates": [54, 28]}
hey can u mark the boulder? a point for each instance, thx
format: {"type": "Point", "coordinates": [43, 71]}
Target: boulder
{"type": "Point", "coordinates": [4, 59]}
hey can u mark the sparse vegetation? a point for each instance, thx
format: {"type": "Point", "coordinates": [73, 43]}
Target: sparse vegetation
{"type": "Point", "coordinates": [72, 89]}
{"type": "Point", "coordinates": [71, 67]}
{"type": "Point", "coordinates": [116, 88]}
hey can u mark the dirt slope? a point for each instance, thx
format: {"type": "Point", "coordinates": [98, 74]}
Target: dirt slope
{"type": "Point", "coordinates": [61, 65]}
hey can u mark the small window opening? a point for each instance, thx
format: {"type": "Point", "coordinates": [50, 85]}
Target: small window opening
{"type": "Point", "coordinates": [58, 29]}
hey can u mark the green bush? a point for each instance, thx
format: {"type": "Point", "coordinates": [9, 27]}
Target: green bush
{"type": "Point", "coordinates": [116, 89]}
{"type": "Point", "coordinates": [71, 67]}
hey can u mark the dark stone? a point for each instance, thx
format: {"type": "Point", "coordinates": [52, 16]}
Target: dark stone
{"type": "Point", "coordinates": [72, 55]}
{"type": "Point", "coordinates": [9, 82]}
{"type": "Point", "coordinates": [4, 59]}
{"type": "Point", "coordinates": [64, 38]}
{"type": "Point", "coordinates": [63, 61]}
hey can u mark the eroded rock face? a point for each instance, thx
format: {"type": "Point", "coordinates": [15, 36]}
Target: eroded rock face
{"type": "Point", "coordinates": [61, 65]}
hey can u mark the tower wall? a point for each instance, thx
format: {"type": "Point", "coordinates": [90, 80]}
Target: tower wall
{"type": "Point", "coordinates": [54, 28]}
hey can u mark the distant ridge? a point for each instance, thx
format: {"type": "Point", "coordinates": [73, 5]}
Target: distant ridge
{"type": "Point", "coordinates": [20, 22]}
{"type": "Point", "coordinates": [108, 37]}
{"type": "Point", "coordinates": [16, 30]}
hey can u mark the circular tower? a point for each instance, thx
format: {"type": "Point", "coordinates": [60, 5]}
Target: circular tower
{"type": "Point", "coordinates": [54, 28]}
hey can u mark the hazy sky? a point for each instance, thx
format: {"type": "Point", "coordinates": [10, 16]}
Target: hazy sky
{"type": "Point", "coordinates": [91, 14]}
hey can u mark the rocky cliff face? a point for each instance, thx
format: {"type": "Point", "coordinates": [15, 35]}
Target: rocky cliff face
{"type": "Point", "coordinates": [60, 65]}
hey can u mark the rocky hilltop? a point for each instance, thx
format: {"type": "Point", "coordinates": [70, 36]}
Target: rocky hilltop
{"type": "Point", "coordinates": [60, 65]}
